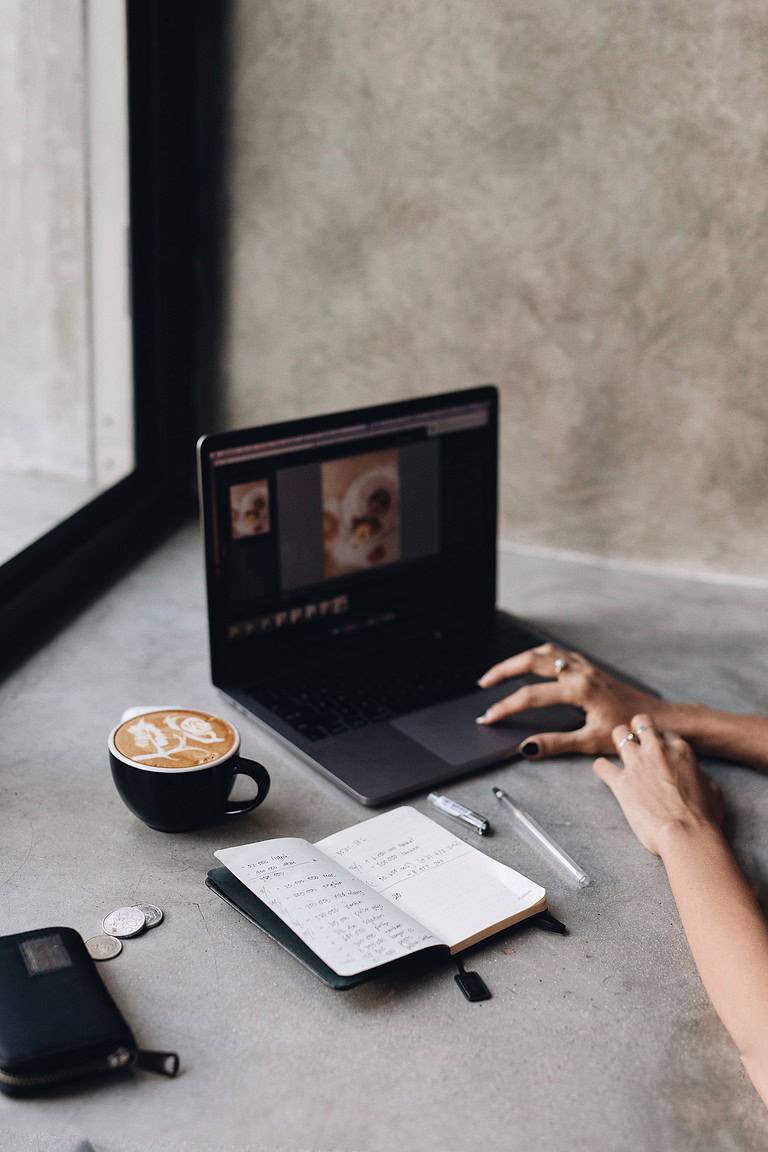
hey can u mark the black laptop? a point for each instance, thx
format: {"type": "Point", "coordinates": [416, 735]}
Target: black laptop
{"type": "Point", "coordinates": [351, 571]}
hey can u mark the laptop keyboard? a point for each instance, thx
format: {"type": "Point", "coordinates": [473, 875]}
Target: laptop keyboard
{"type": "Point", "coordinates": [335, 701]}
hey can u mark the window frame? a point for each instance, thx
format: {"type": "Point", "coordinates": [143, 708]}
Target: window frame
{"type": "Point", "coordinates": [46, 581]}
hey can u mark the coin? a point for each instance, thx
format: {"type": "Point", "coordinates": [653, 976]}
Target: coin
{"type": "Point", "coordinates": [124, 922]}
{"type": "Point", "coordinates": [104, 947]}
{"type": "Point", "coordinates": [152, 914]}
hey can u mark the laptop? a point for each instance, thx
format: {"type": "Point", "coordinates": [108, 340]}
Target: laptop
{"type": "Point", "coordinates": [351, 579]}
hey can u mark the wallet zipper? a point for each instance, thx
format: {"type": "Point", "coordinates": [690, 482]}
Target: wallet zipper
{"type": "Point", "coordinates": [166, 1063]}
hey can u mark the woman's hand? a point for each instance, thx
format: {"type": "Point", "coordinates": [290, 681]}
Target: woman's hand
{"type": "Point", "coordinates": [606, 700]}
{"type": "Point", "coordinates": [660, 788]}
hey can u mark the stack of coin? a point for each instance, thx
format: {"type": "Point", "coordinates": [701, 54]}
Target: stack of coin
{"type": "Point", "coordinates": [120, 925]}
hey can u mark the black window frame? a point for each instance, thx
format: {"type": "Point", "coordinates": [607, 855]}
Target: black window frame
{"type": "Point", "coordinates": [42, 584]}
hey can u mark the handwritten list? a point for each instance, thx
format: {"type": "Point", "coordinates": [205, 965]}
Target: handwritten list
{"type": "Point", "coordinates": [342, 918]}
{"type": "Point", "coordinates": [451, 888]}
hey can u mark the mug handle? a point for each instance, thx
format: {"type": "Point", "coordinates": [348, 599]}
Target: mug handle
{"type": "Point", "coordinates": [260, 776]}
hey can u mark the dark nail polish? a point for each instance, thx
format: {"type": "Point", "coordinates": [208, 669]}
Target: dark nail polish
{"type": "Point", "coordinates": [530, 748]}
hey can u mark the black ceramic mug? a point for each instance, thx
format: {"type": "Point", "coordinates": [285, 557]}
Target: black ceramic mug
{"type": "Point", "coordinates": [175, 767]}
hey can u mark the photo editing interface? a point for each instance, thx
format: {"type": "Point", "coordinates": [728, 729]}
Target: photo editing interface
{"type": "Point", "coordinates": [308, 531]}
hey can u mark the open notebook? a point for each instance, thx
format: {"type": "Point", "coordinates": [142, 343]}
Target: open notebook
{"type": "Point", "coordinates": [389, 888]}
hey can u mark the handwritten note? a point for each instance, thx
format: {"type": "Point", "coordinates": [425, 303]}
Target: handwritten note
{"type": "Point", "coordinates": [458, 893]}
{"type": "Point", "coordinates": [342, 919]}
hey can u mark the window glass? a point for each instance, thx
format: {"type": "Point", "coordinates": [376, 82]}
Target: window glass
{"type": "Point", "coordinates": [66, 414]}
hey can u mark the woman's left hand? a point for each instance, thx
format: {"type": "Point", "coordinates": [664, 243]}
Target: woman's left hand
{"type": "Point", "coordinates": [572, 679]}
{"type": "Point", "coordinates": [660, 787]}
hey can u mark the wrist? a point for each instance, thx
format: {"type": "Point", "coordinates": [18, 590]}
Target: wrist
{"type": "Point", "coordinates": [710, 732]}
{"type": "Point", "coordinates": [686, 833]}
{"type": "Point", "coordinates": [687, 720]}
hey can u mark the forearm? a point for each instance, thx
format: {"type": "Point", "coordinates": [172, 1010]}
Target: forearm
{"type": "Point", "coordinates": [729, 735]}
{"type": "Point", "coordinates": [728, 937]}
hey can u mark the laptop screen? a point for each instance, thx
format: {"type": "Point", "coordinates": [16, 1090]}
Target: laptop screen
{"type": "Point", "coordinates": [324, 531]}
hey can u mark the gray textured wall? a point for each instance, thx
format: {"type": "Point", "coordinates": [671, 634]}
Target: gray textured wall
{"type": "Point", "coordinates": [567, 198]}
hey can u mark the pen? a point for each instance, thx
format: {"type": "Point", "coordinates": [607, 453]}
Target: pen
{"type": "Point", "coordinates": [460, 812]}
{"type": "Point", "coordinates": [538, 838]}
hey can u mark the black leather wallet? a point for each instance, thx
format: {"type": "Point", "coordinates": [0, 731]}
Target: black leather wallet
{"type": "Point", "coordinates": [57, 1020]}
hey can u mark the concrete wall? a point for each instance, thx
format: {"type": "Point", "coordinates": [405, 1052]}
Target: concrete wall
{"type": "Point", "coordinates": [567, 198]}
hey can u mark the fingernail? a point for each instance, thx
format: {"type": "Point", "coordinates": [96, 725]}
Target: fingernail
{"type": "Point", "coordinates": [530, 748]}
{"type": "Point", "coordinates": [482, 719]}
{"type": "Point", "coordinates": [482, 681]}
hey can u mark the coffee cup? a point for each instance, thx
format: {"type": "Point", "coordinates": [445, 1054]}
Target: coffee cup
{"type": "Point", "coordinates": [175, 767]}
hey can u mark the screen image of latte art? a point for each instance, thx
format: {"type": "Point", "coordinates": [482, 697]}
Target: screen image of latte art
{"type": "Point", "coordinates": [175, 739]}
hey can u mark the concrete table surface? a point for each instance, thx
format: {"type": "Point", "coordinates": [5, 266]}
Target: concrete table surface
{"type": "Point", "coordinates": [603, 1039]}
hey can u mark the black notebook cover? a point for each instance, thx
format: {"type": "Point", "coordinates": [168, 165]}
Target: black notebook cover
{"type": "Point", "coordinates": [234, 892]}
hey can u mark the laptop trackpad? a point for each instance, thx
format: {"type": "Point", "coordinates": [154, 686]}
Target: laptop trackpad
{"type": "Point", "coordinates": [450, 732]}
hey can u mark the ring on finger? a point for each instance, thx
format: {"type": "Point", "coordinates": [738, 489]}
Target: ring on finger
{"type": "Point", "coordinates": [560, 665]}
{"type": "Point", "coordinates": [630, 736]}
{"type": "Point", "coordinates": [644, 728]}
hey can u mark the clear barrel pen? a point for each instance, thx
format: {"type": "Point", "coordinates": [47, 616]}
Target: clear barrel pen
{"type": "Point", "coordinates": [533, 832]}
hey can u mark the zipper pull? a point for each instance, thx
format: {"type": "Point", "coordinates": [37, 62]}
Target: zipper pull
{"type": "Point", "coordinates": [166, 1063]}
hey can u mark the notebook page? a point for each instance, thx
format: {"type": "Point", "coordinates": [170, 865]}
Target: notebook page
{"type": "Point", "coordinates": [455, 891]}
{"type": "Point", "coordinates": [342, 920]}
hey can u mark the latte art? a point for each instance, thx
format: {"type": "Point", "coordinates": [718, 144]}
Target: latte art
{"type": "Point", "coordinates": [175, 739]}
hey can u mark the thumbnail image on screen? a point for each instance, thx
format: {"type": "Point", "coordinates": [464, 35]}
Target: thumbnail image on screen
{"type": "Point", "coordinates": [249, 505]}
{"type": "Point", "coordinates": [361, 512]}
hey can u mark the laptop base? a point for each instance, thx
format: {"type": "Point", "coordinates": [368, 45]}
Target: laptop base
{"type": "Point", "coordinates": [395, 757]}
